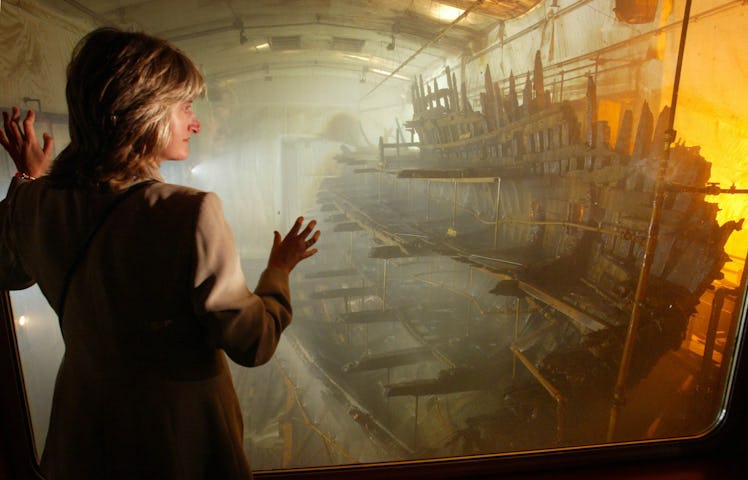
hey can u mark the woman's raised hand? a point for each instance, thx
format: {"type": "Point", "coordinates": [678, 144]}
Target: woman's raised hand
{"type": "Point", "coordinates": [294, 247]}
{"type": "Point", "coordinates": [23, 147]}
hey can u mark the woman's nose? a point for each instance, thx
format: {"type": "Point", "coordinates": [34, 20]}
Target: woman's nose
{"type": "Point", "coordinates": [195, 125]}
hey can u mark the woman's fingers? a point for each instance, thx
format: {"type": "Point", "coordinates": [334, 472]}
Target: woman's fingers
{"type": "Point", "coordinates": [311, 241]}
{"type": "Point", "coordinates": [308, 251]}
{"type": "Point", "coordinates": [295, 246]}
{"type": "Point", "coordinates": [28, 127]}
{"type": "Point", "coordinates": [13, 128]}
{"type": "Point", "coordinates": [20, 140]}
{"type": "Point", "coordinates": [4, 140]}
{"type": "Point", "coordinates": [12, 139]}
{"type": "Point", "coordinates": [296, 227]}
{"type": "Point", "coordinates": [49, 144]}
{"type": "Point", "coordinates": [297, 233]}
{"type": "Point", "coordinates": [308, 230]}
{"type": "Point", "coordinates": [8, 135]}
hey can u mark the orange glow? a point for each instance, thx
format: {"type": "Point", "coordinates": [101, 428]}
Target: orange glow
{"type": "Point", "coordinates": [711, 113]}
{"type": "Point", "coordinates": [610, 111]}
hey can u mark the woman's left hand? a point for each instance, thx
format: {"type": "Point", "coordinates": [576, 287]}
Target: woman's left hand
{"type": "Point", "coordinates": [294, 247]}
{"type": "Point", "coordinates": [22, 145]}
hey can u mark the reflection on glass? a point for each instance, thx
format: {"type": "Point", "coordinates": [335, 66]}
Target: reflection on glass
{"type": "Point", "coordinates": [480, 266]}
{"type": "Point", "coordinates": [41, 348]}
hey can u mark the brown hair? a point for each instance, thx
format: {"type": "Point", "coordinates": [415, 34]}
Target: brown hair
{"type": "Point", "coordinates": [121, 87]}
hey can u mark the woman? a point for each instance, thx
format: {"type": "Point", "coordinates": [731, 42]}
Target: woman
{"type": "Point", "coordinates": [144, 275]}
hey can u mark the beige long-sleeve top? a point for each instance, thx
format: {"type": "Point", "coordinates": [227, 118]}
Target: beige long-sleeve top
{"type": "Point", "coordinates": [144, 390]}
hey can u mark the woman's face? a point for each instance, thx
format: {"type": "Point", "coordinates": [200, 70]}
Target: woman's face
{"type": "Point", "coordinates": [182, 126]}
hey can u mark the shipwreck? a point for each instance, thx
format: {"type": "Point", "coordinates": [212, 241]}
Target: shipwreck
{"type": "Point", "coordinates": [509, 249]}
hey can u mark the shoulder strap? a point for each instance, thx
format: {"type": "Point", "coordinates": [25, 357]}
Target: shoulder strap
{"type": "Point", "coordinates": [84, 248]}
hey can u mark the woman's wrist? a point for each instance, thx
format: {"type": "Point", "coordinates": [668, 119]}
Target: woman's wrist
{"type": "Point", "coordinates": [24, 176]}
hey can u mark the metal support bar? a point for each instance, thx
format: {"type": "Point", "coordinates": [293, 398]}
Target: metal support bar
{"type": "Point", "coordinates": [454, 202]}
{"type": "Point", "coordinates": [516, 334]}
{"type": "Point", "coordinates": [428, 200]}
{"type": "Point", "coordinates": [415, 424]}
{"type": "Point", "coordinates": [619, 390]}
{"type": "Point", "coordinates": [711, 189]}
{"type": "Point", "coordinates": [711, 333]}
{"type": "Point", "coordinates": [384, 284]}
{"type": "Point", "coordinates": [497, 216]}
{"type": "Point", "coordinates": [548, 386]}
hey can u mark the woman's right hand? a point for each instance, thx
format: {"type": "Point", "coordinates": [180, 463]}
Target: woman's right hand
{"type": "Point", "coordinates": [22, 145]}
{"type": "Point", "coordinates": [294, 247]}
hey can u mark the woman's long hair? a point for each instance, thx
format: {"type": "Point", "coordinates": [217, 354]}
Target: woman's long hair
{"type": "Point", "coordinates": [121, 87]}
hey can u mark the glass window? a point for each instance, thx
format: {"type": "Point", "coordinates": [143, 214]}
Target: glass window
{"type": "Point", "coordinates": [522, 250]}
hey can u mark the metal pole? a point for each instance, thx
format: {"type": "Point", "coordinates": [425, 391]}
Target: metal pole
{"type": "Point", "coordinates": [516, 335]}
{"type": "Point", "coordinates": [718, 302]}
{"type": "Point", "coordinates": [428, 199]}
{"type": "Point", "coordinates": [550, 388]}
{"type": "Point", "coordinates": [497, 217]}
{"type": "Point", "coordinates": [384, 284]}
{"type": "Point", "coordinates": [619, 392]}
{"type": "Point", "coordinates": [415, 425]}
{"type": "Point", "coordinates": [454, 201]}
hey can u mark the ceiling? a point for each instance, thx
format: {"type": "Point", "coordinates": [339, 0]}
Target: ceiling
{"type": "Point", "coordinates": [244, 39]}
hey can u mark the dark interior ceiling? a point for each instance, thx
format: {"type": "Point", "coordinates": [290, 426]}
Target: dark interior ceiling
{"type": "Point", "coordinates": [243, 39]}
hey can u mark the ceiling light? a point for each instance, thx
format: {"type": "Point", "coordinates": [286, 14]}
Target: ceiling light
{"type": "Point", "coordinates": [386, 73]}
{"type": "Point", "coordinates": [262, 46]}
{"type": "Point", "coordinates": [356, 57]}
{"type": "Point", "coordinates": [445, 12]}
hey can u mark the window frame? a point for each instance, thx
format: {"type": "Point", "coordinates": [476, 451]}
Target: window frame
{"type": "Point", "coordinates": [18, 457]}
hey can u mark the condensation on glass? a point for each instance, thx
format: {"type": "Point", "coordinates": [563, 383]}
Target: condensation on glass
{"type": "Point", "coordinates": [485, 228]}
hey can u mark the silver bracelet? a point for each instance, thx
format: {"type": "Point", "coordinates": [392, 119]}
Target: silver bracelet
{"type": "Point", "coordinates": [24, 176]}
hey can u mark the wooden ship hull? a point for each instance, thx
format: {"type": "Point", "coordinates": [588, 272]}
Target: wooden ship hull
{"type": "Point", "coordinates": [475, 288]}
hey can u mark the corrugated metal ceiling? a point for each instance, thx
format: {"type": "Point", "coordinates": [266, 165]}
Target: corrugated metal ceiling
{"type": "Point", "coordinates": [230, 38]}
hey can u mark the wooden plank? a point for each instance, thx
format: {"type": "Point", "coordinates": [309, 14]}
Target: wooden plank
{"type": "Point", "coordinates": [369, 316]}
{"type": "Point", "coordinates": [408, 356]}
{"type": "Point", "coordinates": [388, 251]}
{"type": "Point", "coordinates": [470, 175]}
{"type": "Point", "coordinates": [347, 227]}
{"type": "Point", "coordinates": [332, 273]}
{"type": "Point", "coordinates": [344, 292]}
{"type": "Point", "coordinates": [449, 381]}
{"type": "Point", "coordinates": [580, 318]}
